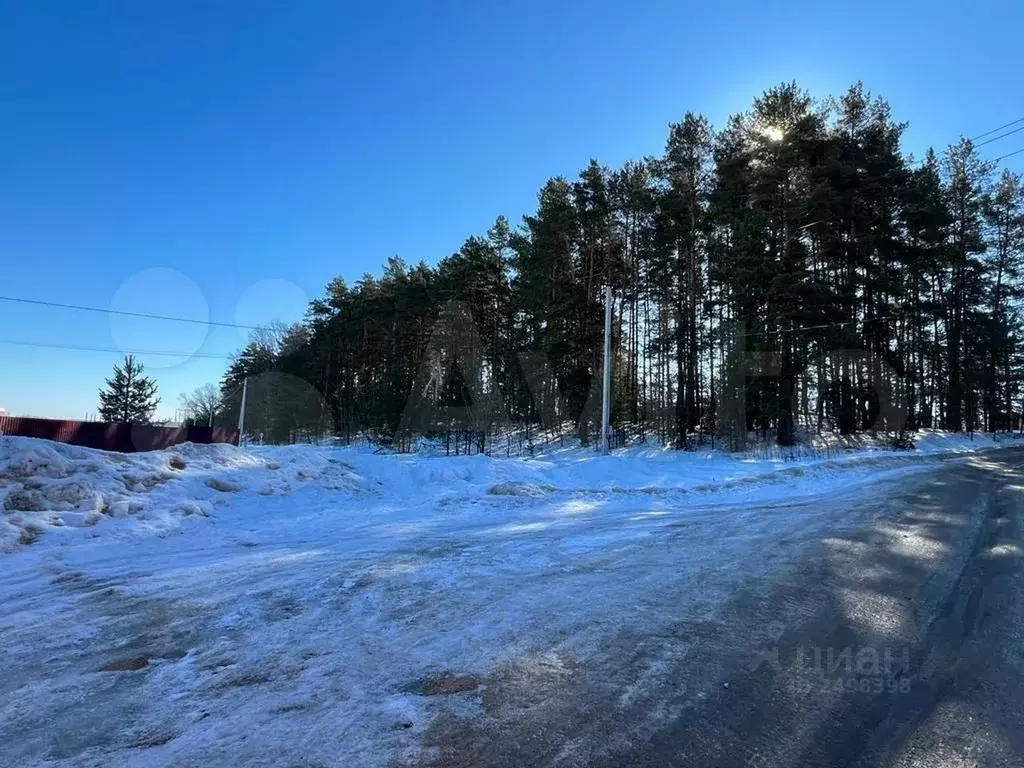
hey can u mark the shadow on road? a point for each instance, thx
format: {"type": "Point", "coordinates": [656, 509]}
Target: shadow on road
{"type": "Point", "coordinates": [897, 640]}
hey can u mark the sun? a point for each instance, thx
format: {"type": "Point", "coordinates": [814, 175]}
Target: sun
{"type": "Point", "coordinates": [773, 133]}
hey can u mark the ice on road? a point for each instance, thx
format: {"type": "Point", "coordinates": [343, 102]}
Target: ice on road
{"type": "Point", "coordinates": [315, 606]}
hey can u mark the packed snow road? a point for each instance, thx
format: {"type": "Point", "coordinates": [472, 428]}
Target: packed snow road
{"type": "Point", "coordinates": [324, 608]}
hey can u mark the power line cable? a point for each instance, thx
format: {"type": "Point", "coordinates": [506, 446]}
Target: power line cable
{"type": "Point", "coordinates": [995, 130]}
{"type": "Point", "coordinates": [837, 324]}
{"type": "Point", "coordinates": [1008, 154]}
{"type": "Point", "coordinates": [1001, 136]}
{"type": "Point", "coordinates": [37, 302]}
{"type": "Point", "coordinates": [46, 345]}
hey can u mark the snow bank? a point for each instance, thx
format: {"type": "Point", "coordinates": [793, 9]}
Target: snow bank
{"type": "Point", "coordinates": [52, 488]}
{"type": "Point", "coordinates": [644, 468]}
{"type": "Point", "coordinates": [48, 487]}
{"type": "Point", "coordinates": [938, 441]}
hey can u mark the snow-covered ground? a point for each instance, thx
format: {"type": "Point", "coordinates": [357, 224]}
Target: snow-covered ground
{"type": "Point", "coordinates": [213, 605]}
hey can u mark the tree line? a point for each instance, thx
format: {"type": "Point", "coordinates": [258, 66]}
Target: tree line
{"type": "Point", "coordinates": [793, 271]}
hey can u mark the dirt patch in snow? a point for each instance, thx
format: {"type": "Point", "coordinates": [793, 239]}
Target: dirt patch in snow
{"type": "Point", "coordinates": [126, 665]}
{"type": "Point", "coordinates": [152, 739]}
{"type": "Point", "coordinates": [30, 533]}
{"type": "Point", "coordinates": [24, 500]}
{"type": "Point", "coordinates": [445, 685]}
{"type": "Point", "coordinates": [244, 680]}
{"type": "Point", "coordinates": [141, 484]}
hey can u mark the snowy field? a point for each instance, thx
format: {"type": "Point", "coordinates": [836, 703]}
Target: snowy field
{"type": "Point", "coordinates": [324, 606]}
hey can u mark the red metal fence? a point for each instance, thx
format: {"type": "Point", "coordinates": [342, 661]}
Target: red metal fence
{"type": "Point", "coordinates": [125, 438]}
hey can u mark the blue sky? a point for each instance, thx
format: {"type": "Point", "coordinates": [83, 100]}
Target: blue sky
{"type": "Point", "coordinates": [224, 160]}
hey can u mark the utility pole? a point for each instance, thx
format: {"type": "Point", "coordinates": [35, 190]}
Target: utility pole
{"type": "Point", "coordinates": [607, 372]}
{"type": "Point", "coordinates": [241, 411]}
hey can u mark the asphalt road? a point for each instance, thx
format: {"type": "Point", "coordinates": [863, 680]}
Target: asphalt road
{"type": "Point", "coordinates": [895, 638]}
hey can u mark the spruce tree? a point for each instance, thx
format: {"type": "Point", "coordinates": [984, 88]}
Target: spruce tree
{"type": "Point", "coordinates": [129, 397]}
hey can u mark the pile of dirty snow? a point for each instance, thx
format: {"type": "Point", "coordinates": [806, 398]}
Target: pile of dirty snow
{"type": "Point", "coordinates": [47, 487]}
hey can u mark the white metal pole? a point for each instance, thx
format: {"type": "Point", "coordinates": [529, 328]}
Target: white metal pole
{"type": "Point", "coordinates": [241, 411]}
{"type": "Point", "coordinates": [607, 383]}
